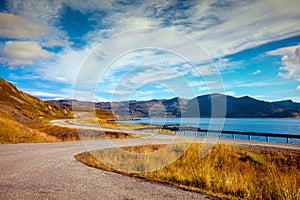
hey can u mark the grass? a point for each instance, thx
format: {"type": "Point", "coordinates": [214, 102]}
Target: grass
{"type": "Point", "coordinates": [24, 118]}
{"type": "Point", "coordinates": [12, 131]}
{"type": "Point", "coordinates": [228, 172]}
{"type": "Point", "coordinates": [107, 119]}
{"type": "Point", "coordinates": [41, 130]}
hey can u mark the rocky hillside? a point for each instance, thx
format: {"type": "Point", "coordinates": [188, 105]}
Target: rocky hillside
{"type": "Point", "coordinates": [25, 108]}
{"type": "Point", "coordinates": [24, 118]}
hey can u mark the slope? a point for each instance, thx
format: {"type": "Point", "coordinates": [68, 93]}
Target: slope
{"type": "Point", "coordinates": [24, 118]}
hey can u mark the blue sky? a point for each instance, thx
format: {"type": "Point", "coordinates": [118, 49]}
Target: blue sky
{"type": "Point", "coordinates": [119, 50]}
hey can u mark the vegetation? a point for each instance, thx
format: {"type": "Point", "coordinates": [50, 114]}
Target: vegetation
{"type": "Point", "coordinates": [105, 119]}
{"type": "Point", "coordinates": [12, 131]}
{"type": "Point", "coordinates": [24, 118]}
{"type": "Point", "coordinates": [227, 171]}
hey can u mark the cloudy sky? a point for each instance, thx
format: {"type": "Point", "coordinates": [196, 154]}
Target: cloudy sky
{"type": "Point", "coordinates": [105, 50]}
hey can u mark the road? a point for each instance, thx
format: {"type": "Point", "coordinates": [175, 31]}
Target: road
{"type": "Point", "coordinates": [49, 171]}
{"type": "Point", "coordinates": [160, 138]}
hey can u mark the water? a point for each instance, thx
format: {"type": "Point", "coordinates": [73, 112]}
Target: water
{"type": "Point", "coordinates": [261, 125]}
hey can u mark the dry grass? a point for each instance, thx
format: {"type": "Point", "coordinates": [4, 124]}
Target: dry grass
{"type": "Point", "coordinates": [11, 131]}
{"type": "Point", "coordinates": [107, 119]}
{"type": "Point", "coordinates": [61, 133]}
{"type": "Point", "coordinates": [227, 172]}
{"type": "Point", "coordinates": [24, 118]}
{"type": "Point", "coordinates": [41, 130]}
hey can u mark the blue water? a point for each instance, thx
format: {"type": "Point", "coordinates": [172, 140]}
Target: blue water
{"type": "Point", "coordinates": [262, 125]}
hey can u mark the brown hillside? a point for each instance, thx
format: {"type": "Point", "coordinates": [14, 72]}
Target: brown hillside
{"type": "Point", "coordinates": [25, 108]}
{"type": "Point", "coordinates": [24, 118]}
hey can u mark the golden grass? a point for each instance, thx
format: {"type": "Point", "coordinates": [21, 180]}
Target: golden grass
{"type": "Point", "coordinates": [41, 130]}
{"type": "Point", "coordinates": [107, 119]}
{"type": "Point", "coordinates": [12, 131]}
{"type": "Point", "coordinates": [62, 134]}
{"type": "Point", "coordinates": [227, 172]}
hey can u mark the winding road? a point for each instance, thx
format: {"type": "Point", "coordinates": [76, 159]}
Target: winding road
{"type": "Point", "coordinates": [49, 171]}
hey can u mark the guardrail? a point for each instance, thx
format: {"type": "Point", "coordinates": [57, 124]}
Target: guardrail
{"type": "Point", "coordinates": [184, 129]}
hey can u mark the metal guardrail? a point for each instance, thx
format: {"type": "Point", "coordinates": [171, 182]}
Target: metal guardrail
{"type": "Point", "coordinates": [177, 128]}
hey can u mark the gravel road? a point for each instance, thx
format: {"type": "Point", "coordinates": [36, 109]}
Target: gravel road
{"type": "Point", "coordinates": [49, 171]}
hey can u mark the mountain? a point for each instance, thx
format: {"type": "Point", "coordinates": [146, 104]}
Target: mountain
{"type": "Point", "coordinates": [242, 107]}
{"type": "Point", "coordinates": [24, 118]}
{"type": "Point", "coordinates": [201, 106]}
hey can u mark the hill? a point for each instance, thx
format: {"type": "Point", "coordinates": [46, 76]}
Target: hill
{"type": "Point", "coordinates": [24, 107]}
{"type": "Point", "coordinates": [244, 107]}
{"type": "Point", "coordinates": [24, 118]}
{"type": "Point", "coordinates": [233, 107]}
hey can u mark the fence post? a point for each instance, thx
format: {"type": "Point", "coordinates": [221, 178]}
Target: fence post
{"type": "Point", "coordinates": [233, 135]}
{"type": "Point", "coordinates": [287, 140]}
{"type": "Point", "coordinates": [249, 137]}
{"type": "Point", "coordinates": [267, 138]}
{"type": "Point", "coordinates": [206, 133]}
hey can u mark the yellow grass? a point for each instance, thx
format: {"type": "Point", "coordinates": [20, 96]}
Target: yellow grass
{"type": "Point", "coordinates": [226, 172]}
{"type": "Point", "coordinates": [12, 131]}
{"type": "Point", "coordinates": [106, 119]}
{"type": "Point", "coordinates": [41, 130]}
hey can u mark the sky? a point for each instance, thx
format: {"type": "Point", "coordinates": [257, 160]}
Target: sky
{"type": "Point", "coordinates": [113, 50]}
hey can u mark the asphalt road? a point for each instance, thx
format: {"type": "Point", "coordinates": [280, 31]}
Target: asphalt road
{"type": "Point", "coordinates": [49, 171]}
{"type": "Point", "coordinates": [160, 138]}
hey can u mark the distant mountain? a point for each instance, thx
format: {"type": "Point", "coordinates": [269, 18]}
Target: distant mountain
{"type": "Point", "coordinates": [201, 106]}
{"type": "Point", "coordinates": [133, 108]}
{"type": "Point", "coordinates": [243, 107]}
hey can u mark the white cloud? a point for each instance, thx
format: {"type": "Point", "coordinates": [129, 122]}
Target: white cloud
{"type": "Point", "coordinates": [291, 66]}
{"type": "Point", "coordinates": [298, 88]}
{"type": "Point", "coordinates": [220, 31]}
{"type": "Point", "coordinates": [66, 65]}
{"type": "Point", "coordinates": [230, 93]}
{"type": "Point", "coordinates": [205, 70]}
{"type": "Point", "coordinates": [12, 26]}
{"type": "Point", "coordinates": [147, 74]}
{"type": "Point", "coordinates": [247, 24]}
{"type": "Point", "coordinates": [43, 94]}
{"type": "Point", "coordinates": [294, 98]}
{"type": "Point", "coordinates": [254, 84]}
{"type": "Point", "coordinates": [257, 72]}
{"type": "Point", "coordinates": [47, 12]}
{"type": "Point", "coordinates": [51, 42]}
{"type": "Point", "coordinates": [117, 92]}
{"type": "Point", "coordinates": [133, 22]}
{"type": "Point", "coordinates": [290, 61]}
{"type": "Point", "coordinates": [23, 53]}
{"type": "Point", "coordinates": [283, 51]}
